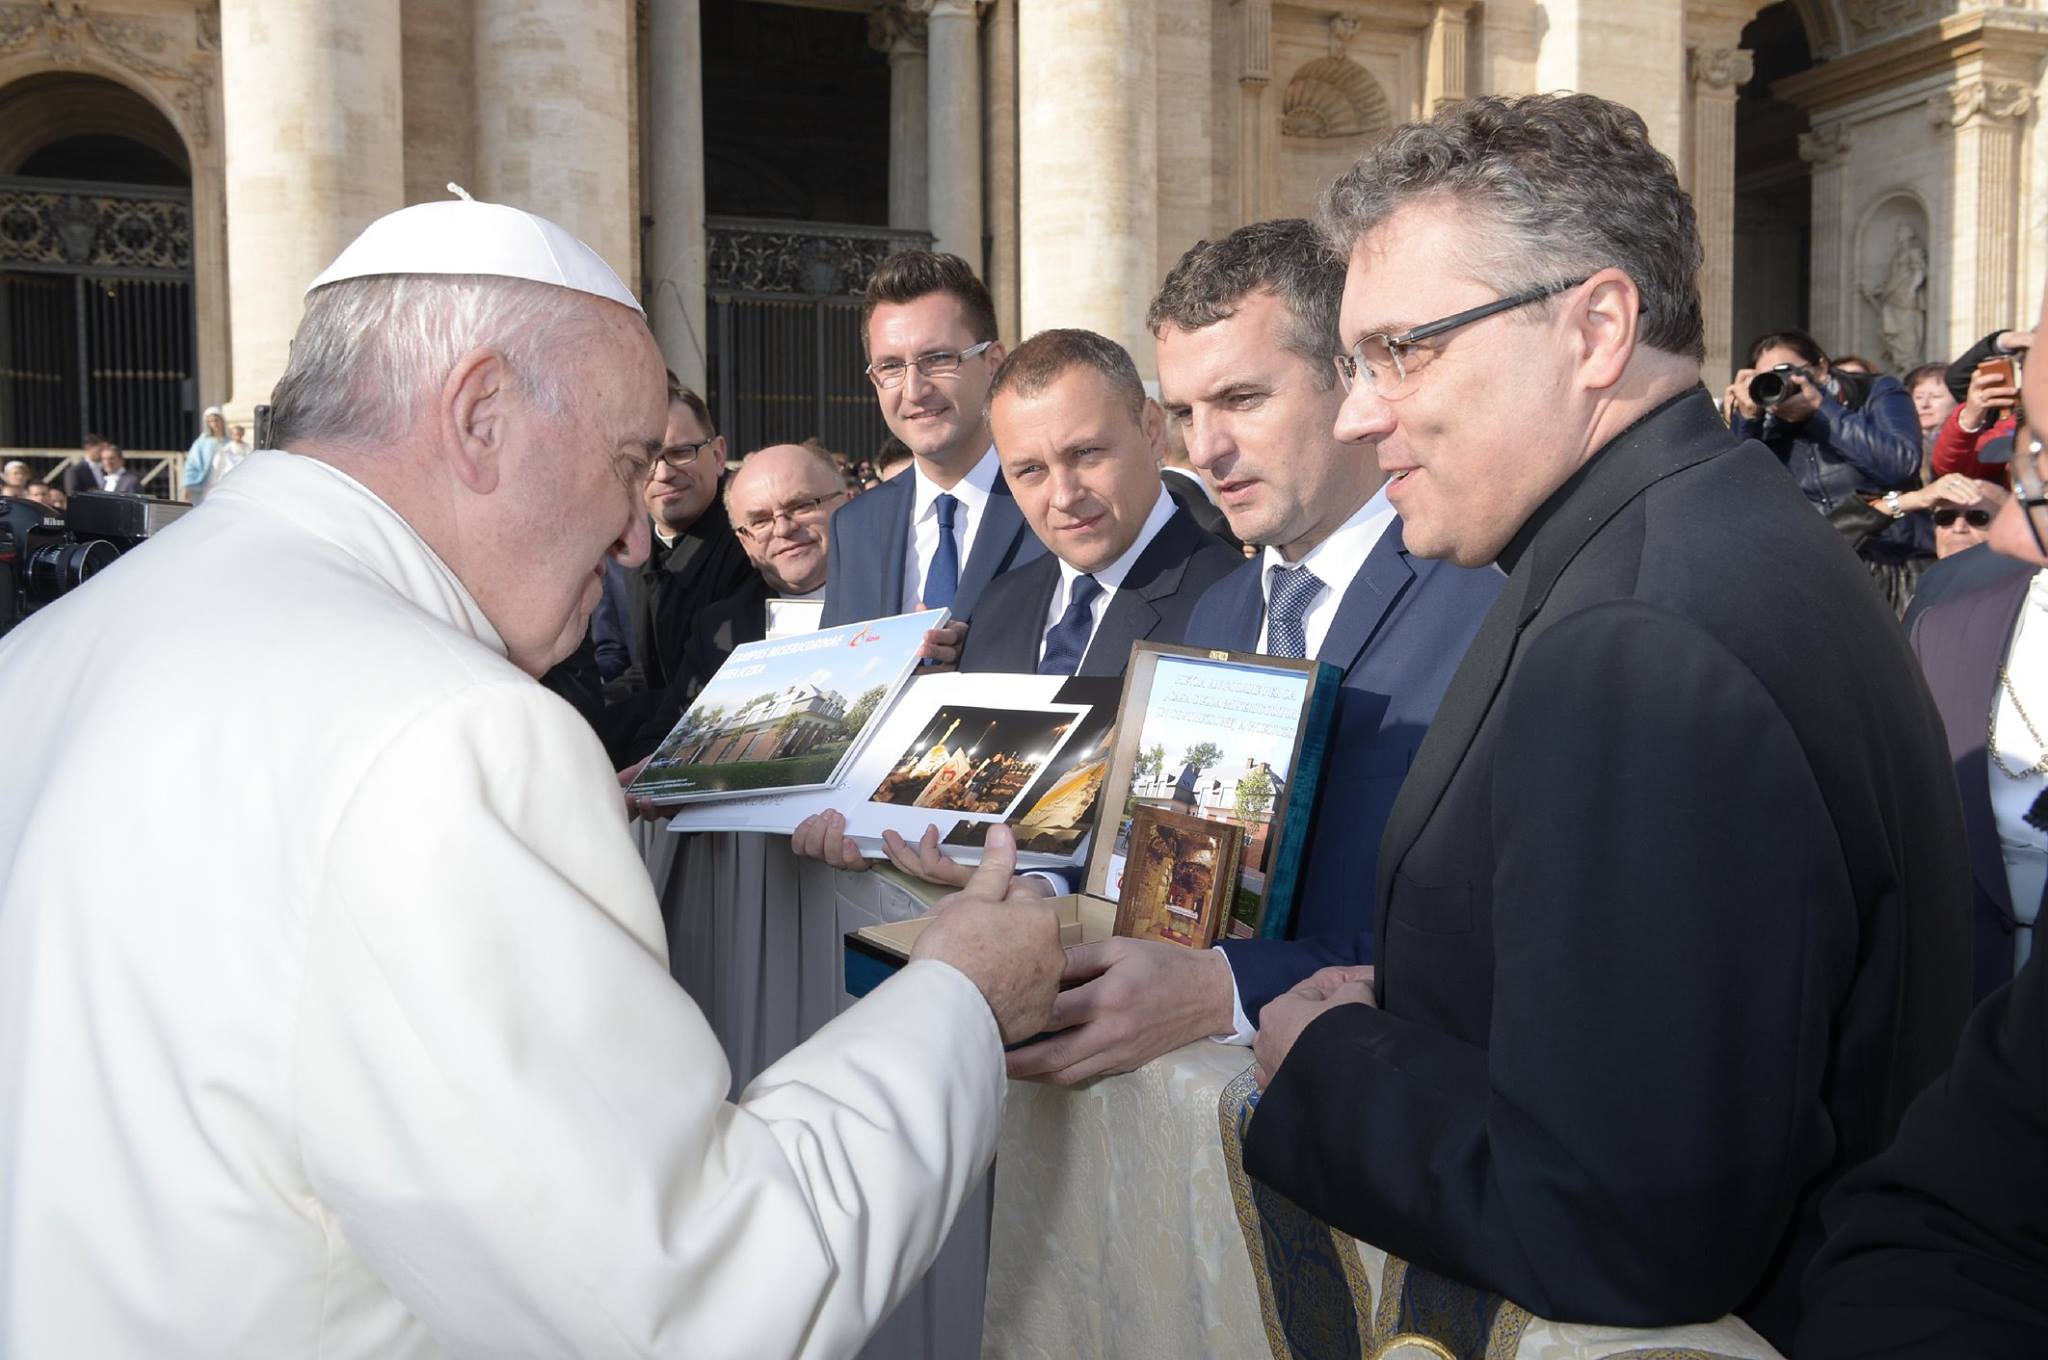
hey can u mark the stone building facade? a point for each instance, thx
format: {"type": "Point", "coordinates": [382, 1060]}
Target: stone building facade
{"type": "Point", "coordinates": [1870, 168]}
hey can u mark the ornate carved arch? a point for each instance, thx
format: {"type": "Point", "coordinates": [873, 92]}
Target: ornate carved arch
{"type": "Point", "coordinates": [1334, 97]}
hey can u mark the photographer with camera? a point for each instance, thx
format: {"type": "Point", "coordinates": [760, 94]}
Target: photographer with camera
{"type": "Point", "coordinates": [1851, 441]}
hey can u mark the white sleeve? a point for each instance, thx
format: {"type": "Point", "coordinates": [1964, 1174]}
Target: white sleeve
{"type": "Point", "coordinates": [520, 1122]}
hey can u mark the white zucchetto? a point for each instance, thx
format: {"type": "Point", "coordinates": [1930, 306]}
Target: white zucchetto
{"type": "Point", "coordinates": [463, 236]}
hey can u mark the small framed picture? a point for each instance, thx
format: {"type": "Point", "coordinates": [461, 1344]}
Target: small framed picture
{"type": "Point", "coordinates": [1179, 876]}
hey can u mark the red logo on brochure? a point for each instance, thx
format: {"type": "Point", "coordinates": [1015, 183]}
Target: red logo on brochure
{"type": "Point", "coordinates": [865, 636]}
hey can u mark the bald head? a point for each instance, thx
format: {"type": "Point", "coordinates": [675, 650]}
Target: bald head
{"type": "Point", "coordinates": [781, 502]}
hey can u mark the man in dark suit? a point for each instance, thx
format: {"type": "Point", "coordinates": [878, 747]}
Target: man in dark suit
{"type": "Point", "coordinates": [1935, 1248]}
{"type": "Point", "coordinates": [694, 559]}
{"type": "Point", "coordinates": [1966, 648]}
{"type": "Point", "coordinates": [938, 534]}
{"type": "Point", "coordinates": [1672, 902]}
{"type": "Point", "coordinates": [1245, 328]}
{"type": "Point", "coordinates": [1080, 450]}
{"type": "Point", "coordinates": [84, 475]}
{"type": "Point", "coordinates": [115, 474]}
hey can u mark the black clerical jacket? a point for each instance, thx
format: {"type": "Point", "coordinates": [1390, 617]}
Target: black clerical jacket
{"type": "Point", "coordinates": [1673, 911]}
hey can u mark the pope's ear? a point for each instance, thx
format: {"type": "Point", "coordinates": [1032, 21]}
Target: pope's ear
{"type": "Point", "coordinates": [475, 405]}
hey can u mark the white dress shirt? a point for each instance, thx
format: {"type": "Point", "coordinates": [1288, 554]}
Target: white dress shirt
{"type": "Point", "coordinates": [397, 1067]}
{"type": "Point", "coordinates": [1334, 561]}
{"type": "Point", "coordinates": [972, 491]}
{"type": "Point", "coordinates": [1109, 578]}
{"type": "Point", "coordinates": [2024, 848]}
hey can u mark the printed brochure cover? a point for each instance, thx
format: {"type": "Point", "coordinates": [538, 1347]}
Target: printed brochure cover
{"type": "Point", "coordinates": [786, 714]}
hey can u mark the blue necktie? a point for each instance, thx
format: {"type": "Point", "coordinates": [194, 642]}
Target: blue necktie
{"type": "Point", "coordinates": [1293, 590]}
{"type": "Point", "coordinates": [1067, 640]}
{"type": "Point", "coordinates": [942, 578]}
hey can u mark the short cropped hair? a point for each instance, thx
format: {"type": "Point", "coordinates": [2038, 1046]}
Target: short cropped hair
{"type": "Point", "coordinates": [91, 441]}
{"type": "Point", "coordinates": [1923, 373]}
{"type": "Point", "coordinates": [1799, 342]}
{"type": "Point", "coordinates": [1040, 361]}
{"type": "Point", "coordinates": [370, 352]}
{"type": "Point", "coordinates": [818, 454]}
{"type": "Point", "coordinates": [678, 391]}
{"type": "Point", "coordinates": [909, 275]}
{"type": "Point", "coordinates": [1556, 186]}
{"type": "Point", "coordinates": [892, 453]}
{"type": "Point", "coordinates": [1286, 257]}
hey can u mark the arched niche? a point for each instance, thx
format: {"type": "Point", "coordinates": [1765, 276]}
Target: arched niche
{"type": "Point", "coordinates": [1893, 247]}
{"type": "Point", "coordinates": [1334, 98]}
{"type": "Point", "coordinates": [47, 112]}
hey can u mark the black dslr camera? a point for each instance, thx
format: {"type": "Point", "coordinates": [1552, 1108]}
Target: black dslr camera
{"type": "Point", "coordinates": [43, 558]}
{"type": "Point", "coordinates": [1773, 385]}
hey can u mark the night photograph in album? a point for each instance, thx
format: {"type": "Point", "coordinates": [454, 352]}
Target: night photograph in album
{"type": "Point", "coordinates": [977, 760]}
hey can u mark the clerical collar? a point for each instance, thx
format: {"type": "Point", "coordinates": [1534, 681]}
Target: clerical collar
{"type": "Point", "coordinates": [1633, 434]}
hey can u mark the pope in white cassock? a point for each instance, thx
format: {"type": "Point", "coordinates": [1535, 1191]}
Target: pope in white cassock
{"type": "Point", "coordinates": [337, 1022]}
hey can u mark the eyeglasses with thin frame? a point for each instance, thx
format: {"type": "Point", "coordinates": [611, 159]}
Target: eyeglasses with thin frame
{"type": "Point", "coordinates": [758, 527]}
{"type": "Point", "coordinates": [680, 456]}
{"type": "Point", "coordinates": [890, 372]}
{"type": "Point", "coordinates": [1383, 358]}
{"type": "Point", "coordinates": [2029, 485]}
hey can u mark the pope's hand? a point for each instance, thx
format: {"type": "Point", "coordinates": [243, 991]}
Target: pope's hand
{"type": "Point", "coordinates": [1285, 1017]}
{"type": "Point", "coordinates": [822, 835]}
{"type": "Point", "coordinates": [1003, 937]}
{"type": "Point", "coordinates": [942, 646]}
{"type": "Point", "coordinates": [1142, 998]}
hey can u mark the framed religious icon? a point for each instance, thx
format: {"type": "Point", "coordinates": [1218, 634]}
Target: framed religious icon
{"type": "Point", "coordinates": [1179, 876]}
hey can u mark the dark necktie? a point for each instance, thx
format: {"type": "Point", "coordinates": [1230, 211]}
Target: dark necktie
{"type": "Point", "coordinates": [942, 578]}
{"type": "Point", "coordinates": [1067, 640]}
{"type": "Point", "coordinates": [1293, 590]}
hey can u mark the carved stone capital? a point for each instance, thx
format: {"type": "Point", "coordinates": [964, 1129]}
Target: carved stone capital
{"type": "Point", "coordinates": [1721, 68]}
{"type": "Point", "coordinates": [1980, 101]}
{"type": "Point", "coordinates": [146, 47]}
{"type": "Point", "coordinates": [1824, 146]}
{"type": "Point", "coordinates": [896, 30]}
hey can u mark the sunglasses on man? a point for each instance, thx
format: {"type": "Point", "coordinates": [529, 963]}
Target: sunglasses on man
{"type": "Point", "coordinates": [1947, 514]}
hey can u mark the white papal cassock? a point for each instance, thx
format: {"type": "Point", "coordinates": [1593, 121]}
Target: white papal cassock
{"type": "Point", "coordinates": [334, 1012]}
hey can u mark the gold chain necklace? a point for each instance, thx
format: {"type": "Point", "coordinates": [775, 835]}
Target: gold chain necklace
{"type": "Point", "coordinates": [2039, 767]}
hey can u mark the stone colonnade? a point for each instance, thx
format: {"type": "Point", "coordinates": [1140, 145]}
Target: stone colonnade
{"type": "Point", "coordinates": [313, 159]}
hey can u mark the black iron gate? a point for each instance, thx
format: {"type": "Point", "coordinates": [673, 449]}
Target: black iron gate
{"type": "Point", "coordinates": [96, 322]}
{"type": "Point", "coordinates": [785, 354]}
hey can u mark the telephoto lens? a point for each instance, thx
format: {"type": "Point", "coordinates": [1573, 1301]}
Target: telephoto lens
{"type": "Point", "coordinates": [1770, 388]}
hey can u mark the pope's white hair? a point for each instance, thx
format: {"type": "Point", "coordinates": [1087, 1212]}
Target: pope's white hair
{"type": "Point", "coordinates": [370, 352]}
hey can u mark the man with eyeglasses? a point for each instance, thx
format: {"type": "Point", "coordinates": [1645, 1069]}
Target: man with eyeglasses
{"type": "Point", "coordinates": [1672, 901]}
{"type": "Point", "coordinates": [941, 532]}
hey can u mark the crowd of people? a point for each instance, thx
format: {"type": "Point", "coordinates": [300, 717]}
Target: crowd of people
{"type": "Point", "coordinates": [1642, 915]}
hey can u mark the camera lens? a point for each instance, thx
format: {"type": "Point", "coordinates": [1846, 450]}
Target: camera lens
{"type": "Point", "coordinates": [58, 565]}
{"type": "Point", "coordinates": [1768, 389]}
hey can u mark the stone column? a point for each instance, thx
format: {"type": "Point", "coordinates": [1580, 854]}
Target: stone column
{"type": "Point", "coordinates": [1985, 116]}
{"type": "Point", "coordinates": [311, 160]}
{"type": "Point", "coordinates": [674, 148]}
{"type": "Point", "coordinates": [953, 29]}
{"type": "Point", "coordinates": [1444, 81]}
{"type": "Point", "coordinates": [999, 198]}
{"type": "Point", "coordinates": [1088, 152]}
{"type": "Point", "coordinates": [553, 83]}
{"type": "Point", "coordinates": [901, 35]}
{"type": "Point", "coordinates": [1826, 148]}
{"type": "Point", "coordinates": [1717, 73]}
{"type": "Point", "coordinates": [1257, 171]}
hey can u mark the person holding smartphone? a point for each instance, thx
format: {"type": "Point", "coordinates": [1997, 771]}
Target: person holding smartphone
{"type": "Point", "coordinates": [1976, 439]}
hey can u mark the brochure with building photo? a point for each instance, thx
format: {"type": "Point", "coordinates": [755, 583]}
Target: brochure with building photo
{"type": "Point", "coordinates": [1224, 737]}
{"type": "Point", "coordinates": [960, 753]}
{"type": "Point", "coordinates": [786, 714]}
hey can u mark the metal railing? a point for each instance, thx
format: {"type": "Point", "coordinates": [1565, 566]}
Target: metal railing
{"type": "Point", "coordinates": [161, 470]}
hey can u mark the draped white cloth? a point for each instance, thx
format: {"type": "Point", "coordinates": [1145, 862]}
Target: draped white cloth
{"type": "Point", "coordinates": [361, 1039]}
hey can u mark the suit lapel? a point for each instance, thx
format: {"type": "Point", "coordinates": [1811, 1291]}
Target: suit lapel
{"type": "Point", "coordinates": [897, 541]}
{"type": "Point", "coordinates": [1132, 614]}
{"type": "Point", "coordinates": [1001, 522]}
{"type": "Point", "coordinates": [1372, 592]}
